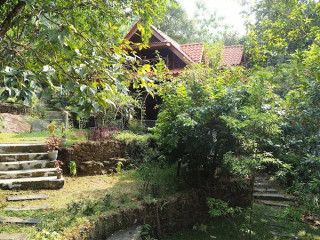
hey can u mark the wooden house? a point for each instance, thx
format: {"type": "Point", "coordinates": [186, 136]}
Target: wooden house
{"type": "Point", "coordinates": [177, 57]}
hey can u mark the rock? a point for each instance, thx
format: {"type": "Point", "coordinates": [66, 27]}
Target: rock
{"type": "Point", "coordinates": [14, 124]}
{"type": "Point", "coordinates": [132, 233]}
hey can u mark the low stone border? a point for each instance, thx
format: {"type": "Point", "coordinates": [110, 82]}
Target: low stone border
{"type": "Point", "coordinates": [165, 216]}
{"type": "Point", "coordinates": [94, 158]}
{"type": "Point", "coordinates": [13, 108]}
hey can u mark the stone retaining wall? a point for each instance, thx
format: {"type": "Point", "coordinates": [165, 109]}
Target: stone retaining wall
{"type": "Point", "coordinates": [13, 108]}
{"type": "Point", "coordinates": [166, 216]}
{"type": "Point", "coordinates": [94, 157]}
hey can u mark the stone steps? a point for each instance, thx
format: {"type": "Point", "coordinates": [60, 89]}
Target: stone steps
{"type": "Point", "coordinates": [23, 148]}
{"type": "Point", "coordinates": [43, 172]}
{"type": "Point", "coordinates": [13, 237]}
{"type": "Point", "coordinates": [268, 190]}
{"type": "Point", "coordinates": [271, 196]}
{"type": "Point", "coordinates": [24, 165]}
{"type": "Point", "coordinates": [18, 220]}
{"type": "Point", "coordinates": [58, 120]}
{"type": "Point", "coordinates": [53, 114]}
{"type": "Point", "coordinates": [284, 236]}
{"type": "Point", "coordinates": [262, 184]}
{"type": "Point", "coordinates": [274, 203]}
{"type": "Point", "coordinates": [34, 183]}
{"type": "Point", "coordinates": [20, 198]}
{"type": "Point", "coordinates": [13, 157]}
{"type": "Point", "coordinates": [265, 194]}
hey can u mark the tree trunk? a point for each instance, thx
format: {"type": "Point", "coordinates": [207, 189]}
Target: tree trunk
{"type": "Point", "coordinates": [5, 26]}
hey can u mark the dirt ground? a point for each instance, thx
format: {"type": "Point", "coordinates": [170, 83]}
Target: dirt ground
{"type": "Point", "coordinates": [14, 124]}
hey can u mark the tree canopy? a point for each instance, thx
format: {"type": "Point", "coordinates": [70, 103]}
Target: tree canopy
{"type": "Point", "coordinates": [280, 29]}
{"type": "Point", "coordinates": [77, 46]}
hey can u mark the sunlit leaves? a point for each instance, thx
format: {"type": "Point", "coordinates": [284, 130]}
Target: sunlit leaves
{"type": "Point", "coordinates": [77, 46]}
{"type": "Point", "coordinates": [281, 28]}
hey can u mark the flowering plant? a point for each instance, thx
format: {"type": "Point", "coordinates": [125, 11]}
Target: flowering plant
{"type": "Point", "coordinates": [103, 134]}
{"type": "Point", "coordinates": [57, 165]}
{"type": "Point", "coordinates": [52, 143]}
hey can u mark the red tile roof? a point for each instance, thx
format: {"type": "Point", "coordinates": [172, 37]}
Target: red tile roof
{"type": "Point", "coordinates": [232, 55]}
{"type": "Point", "coordinates": [194, 51]}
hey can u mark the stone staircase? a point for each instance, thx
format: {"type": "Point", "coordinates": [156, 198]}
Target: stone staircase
{"type": "Point", "coordinates": [51, 115]}
{"type": "Point", "coordinates": [26, 166]}
{"type": "Point", "coordinates": [266, 192]}
{"type": "Point", "coordinates": [21, 220]}
{"type": "Point", "coordinates": [48, 115]}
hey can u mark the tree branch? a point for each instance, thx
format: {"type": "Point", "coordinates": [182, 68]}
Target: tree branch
{"type": "Point", "coordinates": [5, 26]}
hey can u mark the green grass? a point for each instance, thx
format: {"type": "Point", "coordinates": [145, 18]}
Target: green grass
{"type": "Point", "coordinates": [126, 190]}
{"type": "Point", "coordinates": [238, 228]}
{"type": "Point", "coordinates": [74, 136]}
{"type": "Point", "coordinates": [28, 137]}
{"type": "Point", "coordinates": [90, 191]}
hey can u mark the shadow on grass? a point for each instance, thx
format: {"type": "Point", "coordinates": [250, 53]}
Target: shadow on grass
{"type": "Point", "coordinates": [90, 204]}
{"type": "Point", "coordinates": [238, 228]}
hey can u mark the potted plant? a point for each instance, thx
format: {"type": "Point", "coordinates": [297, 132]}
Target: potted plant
{"type": "Point", "coordinates": [64, 135]}
{"type": "Point", "coordinates": [52, 145]}
{"type": "Point", "coordinates": [57, 165]}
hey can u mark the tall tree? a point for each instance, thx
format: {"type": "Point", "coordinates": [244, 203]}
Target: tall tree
{"type": "Point", "coordinates": [281, 27]}
{"type": "Point", "coordinates": [75, 45]}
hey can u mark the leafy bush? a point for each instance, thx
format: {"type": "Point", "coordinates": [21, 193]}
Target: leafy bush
{"type": "Point", "coordinates": [78, 135]}
{"type": "Point", "coordinates": [141, 148]}
{"type": "Point", "coordinates": [107, 200]}
{"type": "Point", "coordinates": [96, 134]}
{"type": "Point", "coordinates": [241, 167]}
{"type": "Point", "coordinates": [207, 113]}
{"type": "Point", "coordinates": [135, 126]}
{"type": "Point", "coordinates": [46, 235]}
{"type": "Point", "coordinates": [219, 208]}
{"type": "Point", "coordinates": [52, 127]}
{"type": "Point", "coordinates": [85, 207]}
{"type": "Point", "coordinates": [159, 178]}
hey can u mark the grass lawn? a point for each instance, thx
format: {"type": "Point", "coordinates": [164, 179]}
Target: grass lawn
{"type": "Point", "coordinates": [238, 228]}
{"type": "Point", "coordinates": [74, 135]}
{"type": "Point", "coordinates": [90, 191]}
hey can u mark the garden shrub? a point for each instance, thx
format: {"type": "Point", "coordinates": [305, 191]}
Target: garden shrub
{"type": "Point", "coordinates": [241, 167]}
{"type": "Point", "coordinates": [219, 208]}
{"type": "Point", "coordinates": [189, 127]}
{"type": "Point", "coordinates": [159, 178]}
{"type": "Point", "coordinates": [140, 148]}
{"type": "Point", "coordinates": [85, 207]}
{"type": "Point", "coordinates": [207, 113]}
{"type": "Point", "coordinates": [103, 134]}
